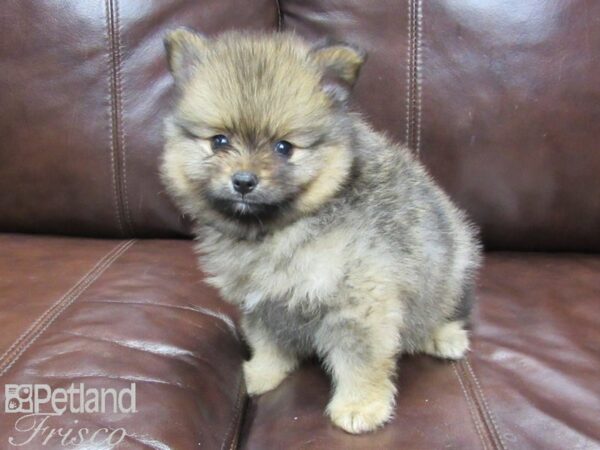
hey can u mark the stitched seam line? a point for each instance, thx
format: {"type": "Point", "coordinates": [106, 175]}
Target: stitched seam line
{"type": "Point", "coordinates": [42, 317]}
{"type": "Point", "coordinates": [470, 387]}
{"type": "Point", "coordinates": [116, 132]}
{"type": "Point", "coordinates": [418, 71]}
{"type": "Point", "coordinates": [235, 419]}
{"type": "Point", "coordinates": [488, 415]}
{"type": "Point", "coordinates": [111, 125]}
{"type": "Point", "coordinates": [413, 76]}
{"type": "Point", "coordinates": [471, 406]}
{"type": "Point", "coordinates": [413, 72]}
{"type": "Point", "coordinates": [482, 414]}
{"type": "Point", "coordinates": [409, 70]}
{"type": "Point", "coordinates": [63, 304]}
{"type": "Point", "coordinates": [120, 108]}
{"type": "Point", "coordinates": [279, 15]}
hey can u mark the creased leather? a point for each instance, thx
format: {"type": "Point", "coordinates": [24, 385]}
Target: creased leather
{"type": "Point", "coordinates": [85, 88]}
{"type": "Point", "coordinates": [144, 317]}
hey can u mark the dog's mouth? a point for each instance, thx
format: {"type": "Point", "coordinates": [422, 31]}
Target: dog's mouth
{"type": "Point", "coordinates": [248, 211]}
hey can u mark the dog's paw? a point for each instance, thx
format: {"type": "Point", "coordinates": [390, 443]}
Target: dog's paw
{"type": "Point", "coordinates": [261, 378]}
{"type": "Point", "coordinates": [361, 416]}
{"type": "Point", "coordinates": [450, 341]}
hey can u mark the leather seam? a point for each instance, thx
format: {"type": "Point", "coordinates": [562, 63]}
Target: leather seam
{"type": "Point", "coordinates": [115, 117]}
{"type": "Point", "coordinates": [120, 108]}
{"type": "Point", "coordinates": [413, 76]}
{"type": "Point", "coordinates": [418, 71]}
{"type": "Point", "coordinates": [279, 15]}
{"type": "Point", "coordinates": [54, 306]}
{"type": "Point", "coordinates": [488, 412]}
{"type": "Point", "coordinates": [472, 408]}
{"type": "Point", "coordinates": [31, 335]}
{"type": "Point", "coordinates": [236, 416]}
{"type": "Point", "coordinates": [482, 413]}
{"type": "Point", "coordinates": [111, 125]}
{"type": "Point", "coordinates": [409, 71]}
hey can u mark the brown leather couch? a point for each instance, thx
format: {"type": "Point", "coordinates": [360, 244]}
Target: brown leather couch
{"type": "Point", "coordinates": [99, 284]}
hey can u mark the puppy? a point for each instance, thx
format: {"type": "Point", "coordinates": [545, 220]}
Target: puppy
{"type": "Point", "coordinates": [331, 239]}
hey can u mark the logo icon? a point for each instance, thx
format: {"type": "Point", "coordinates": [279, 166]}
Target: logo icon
{"type": "Point", "coordinates": [18, 398]}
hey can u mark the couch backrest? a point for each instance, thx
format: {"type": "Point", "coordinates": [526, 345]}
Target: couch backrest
{"type": "Point", "coordinates": [84, 88]}
{"type": "Point", "coordinates": [501, 100]}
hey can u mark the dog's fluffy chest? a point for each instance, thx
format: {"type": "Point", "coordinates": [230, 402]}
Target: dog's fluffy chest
{"type": "Point", "coordinates": [294, 267]}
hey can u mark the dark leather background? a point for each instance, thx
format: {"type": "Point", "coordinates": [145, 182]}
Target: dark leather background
{"type": "Point", "coordinates": [502, 103]}
{"type": "Point", "coordinates": [84, 89]}
{"type": "Point", "coordinates": [511, 117]}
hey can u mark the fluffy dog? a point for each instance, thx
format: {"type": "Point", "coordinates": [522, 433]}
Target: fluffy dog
{"type": "Point", "coordinates": [331, 239]}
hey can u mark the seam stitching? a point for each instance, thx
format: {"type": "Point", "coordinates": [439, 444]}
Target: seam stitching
{"type": "Point", "coordinates": [236, 415]}
{"type": "Point", "coordinates": [418, 65]}
{"type": "Point", "coordinates": [471, 406]}
{"type": "Point", "coordinates": [111, 114]}
{"type": "Point", "coordinates": [69, 292]}
{"type": "Point", "coordinates": [279, 15]}
{"type": "Point", "coordinates": [118, 49]}
{"type": "Point", "coordinates": [496, 434]}
{"type": "Point", "coordinates": [76, 293]}
{"type": "Point", "coordinates": [408, 71]}
{"type": "Point", "coordinates": [413, 76]}
{"type": "Point", "coordinates": [23, 335]}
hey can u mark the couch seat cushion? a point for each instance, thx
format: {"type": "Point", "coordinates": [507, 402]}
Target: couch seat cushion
{"type": "Point", "coordinates": [112, 313]}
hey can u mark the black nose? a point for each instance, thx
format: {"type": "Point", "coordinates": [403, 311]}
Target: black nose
{"type": "Point", "coordinates": [244, 182]}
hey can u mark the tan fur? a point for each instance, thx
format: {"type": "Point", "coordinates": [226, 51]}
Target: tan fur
{"type": "Point", "coordinates": [345, 248]}
{"type": "Point", "coordinates": [327, 182]}
{"type": "Point", "coordinates": [449, 341]}
{"type": "Point", "coordinates": [269, 367]}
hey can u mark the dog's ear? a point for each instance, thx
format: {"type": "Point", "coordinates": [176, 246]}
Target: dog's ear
{"type": "Point", "coordinates": [185, 51]}
{"type": "Point", "coordinates": [341, 65]}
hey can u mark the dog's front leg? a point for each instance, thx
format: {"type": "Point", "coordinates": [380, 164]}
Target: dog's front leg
{"type": "Point", "coordinates": [269, 364]}
{"type": "Point", "coordinates": [362, 361]}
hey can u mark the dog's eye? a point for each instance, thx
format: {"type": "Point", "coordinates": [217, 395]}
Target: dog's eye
{"type": "Point", "coordinates": [219, 141]}
{"type": "Point", "coordinates": [284, 148]}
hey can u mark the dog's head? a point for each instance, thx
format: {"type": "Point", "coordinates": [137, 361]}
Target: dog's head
{"type": "Point", "coordinates": [260, 130]}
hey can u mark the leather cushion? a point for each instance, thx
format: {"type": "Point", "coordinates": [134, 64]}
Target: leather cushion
{"type": "Point", "coordinates": [111, 313]}
{"type": "Point", "coordinates": [85, 88]}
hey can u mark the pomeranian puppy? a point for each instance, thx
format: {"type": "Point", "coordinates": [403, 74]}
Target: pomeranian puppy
{"type": "Point", "coordinates": [332, 240]}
